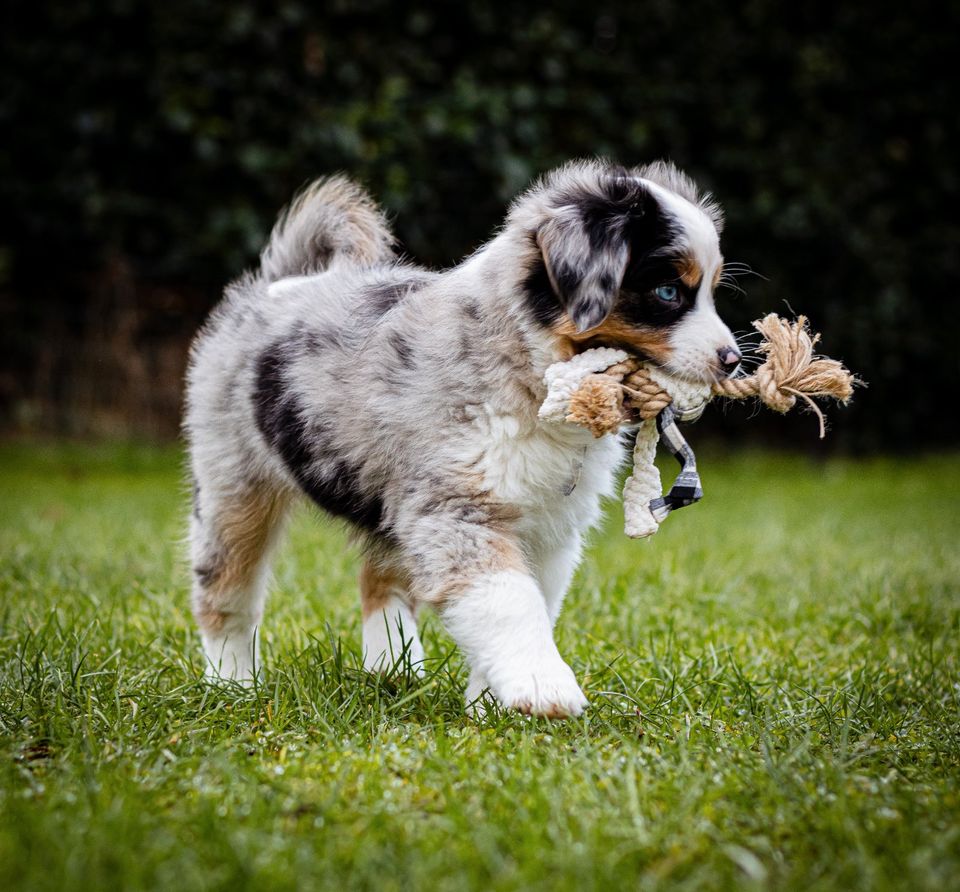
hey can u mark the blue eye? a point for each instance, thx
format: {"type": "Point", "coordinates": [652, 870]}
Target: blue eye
{"type": "Point", "coordinates": [668, 293]}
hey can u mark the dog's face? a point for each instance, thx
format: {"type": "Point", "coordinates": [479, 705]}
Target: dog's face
{"type": "Point", "coordinates": [629, 262]}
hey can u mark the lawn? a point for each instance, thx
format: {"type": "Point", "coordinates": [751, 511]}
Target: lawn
{"type": "Point", "coordinates": [774, 683]}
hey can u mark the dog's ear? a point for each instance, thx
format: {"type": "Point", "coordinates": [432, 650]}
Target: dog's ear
{"type": "Point", "coordinates": [585, 250]}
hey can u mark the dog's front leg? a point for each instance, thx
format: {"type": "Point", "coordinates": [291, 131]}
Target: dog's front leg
{"type": "Point", "coordinates": [501, 623]}
{"type": "Point", "coordinates": [554, 572]}
{"type": "Point", "coordinates": [475, 575]}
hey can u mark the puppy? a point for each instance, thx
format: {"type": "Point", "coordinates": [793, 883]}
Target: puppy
{"type": "Point", "coordinates": [404, 401]}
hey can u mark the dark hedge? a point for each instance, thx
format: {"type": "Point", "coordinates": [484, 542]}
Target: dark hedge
{"type": "Point", "coordinates": [152, 143]}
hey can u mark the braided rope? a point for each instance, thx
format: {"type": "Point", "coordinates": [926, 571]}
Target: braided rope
{"type": "Point", "coordinates": [646, 395]}
{"type": "Point", "coordinates": [790, 371]}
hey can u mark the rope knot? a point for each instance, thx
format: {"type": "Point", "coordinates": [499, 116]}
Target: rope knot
{"type": "Point", "coordinates": [790, 370]}
{"type": "Point", "coordinates": [770, 392]}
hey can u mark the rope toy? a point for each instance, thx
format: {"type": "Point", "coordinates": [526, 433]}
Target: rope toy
{"type": "Point", "coordinates": [603, 389]}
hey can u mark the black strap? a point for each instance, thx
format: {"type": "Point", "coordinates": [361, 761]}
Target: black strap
{"type": "Point", "coordinates": [686, 488]}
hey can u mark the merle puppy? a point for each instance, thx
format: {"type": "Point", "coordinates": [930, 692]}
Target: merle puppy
{"type": "Point", "coordinates": [404, 401]}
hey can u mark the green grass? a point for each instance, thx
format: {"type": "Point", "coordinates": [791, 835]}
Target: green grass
{"type": "Point", "coordinates": [774, 680]}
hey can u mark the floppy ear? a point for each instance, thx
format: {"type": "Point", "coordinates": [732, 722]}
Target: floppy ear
{"type": "Point", "coordinates": [586, 257]}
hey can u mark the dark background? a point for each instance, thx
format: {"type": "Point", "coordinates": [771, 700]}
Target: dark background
{"type": "Point", "coordinates": [146, 148]}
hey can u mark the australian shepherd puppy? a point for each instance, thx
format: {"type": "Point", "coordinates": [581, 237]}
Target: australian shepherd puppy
{"type": "Point", "coordinates": [404, 401]}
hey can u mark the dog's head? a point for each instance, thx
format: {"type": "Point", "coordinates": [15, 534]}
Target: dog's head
{"type": "Point", "coordinates": [629, 258]}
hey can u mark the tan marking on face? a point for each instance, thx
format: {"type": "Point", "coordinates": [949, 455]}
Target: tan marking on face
{"type": "Point", "coordinates": [567, 349]}
{"type": "Point", "coordinates": [689, 271]}
{"type": "Point", "coordinates": [378, 584]}
{"type": "Point", "coordinates": [717, 275]}
{"type": "Point", "coordinates": [651, 343]}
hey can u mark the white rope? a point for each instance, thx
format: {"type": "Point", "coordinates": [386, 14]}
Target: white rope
{"type": "Point", "coordinates": [643, 485]}
{"type": "Point", "coordinates": [563, 378]}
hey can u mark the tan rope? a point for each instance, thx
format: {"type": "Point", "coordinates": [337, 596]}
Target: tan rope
{"type": "Point", "coordinates": [646, 396]}
{"type": "Point", "coordinates": [790, 371]}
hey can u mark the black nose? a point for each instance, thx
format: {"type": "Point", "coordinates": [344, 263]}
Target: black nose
{"type": "Point", "coordinates": [729, 359]}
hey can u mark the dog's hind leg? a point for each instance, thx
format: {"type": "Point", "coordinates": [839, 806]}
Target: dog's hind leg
{"type": "Point", "coordinates": [390, 636]}
{"type": "Point", "coordinates": [232, 531]}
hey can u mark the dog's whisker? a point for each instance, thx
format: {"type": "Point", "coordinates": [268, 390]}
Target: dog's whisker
{"type": "Point", "coordinates": [731, 286]}
{"type": "Point", "coordinates": [740, 270]}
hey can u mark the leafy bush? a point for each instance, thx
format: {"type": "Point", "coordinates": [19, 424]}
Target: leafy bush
{"type": "Point", "coordinates": [160, 140]}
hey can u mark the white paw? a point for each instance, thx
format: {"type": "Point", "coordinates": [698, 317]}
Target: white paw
{"type": "Point", "coordinates": [379, 660]}
{"type": "Point", "coordinates": [551, 691]}
{"type": "Point", "coordinates": [390, 641]}
{"type": "Point", "coordinates": [231, 659]}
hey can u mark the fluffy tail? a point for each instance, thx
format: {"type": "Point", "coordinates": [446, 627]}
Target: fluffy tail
{"type": "Point", "coordinates": [331, 217]}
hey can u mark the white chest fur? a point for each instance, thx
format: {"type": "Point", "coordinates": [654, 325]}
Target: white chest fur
{"type": "Point", "coordinates": [556, 474]}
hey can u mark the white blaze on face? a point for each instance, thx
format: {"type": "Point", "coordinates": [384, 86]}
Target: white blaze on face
{"type": "Point", "coordinates": [698, 336]}
{"type": "Point", "coordinates": [697, 339]}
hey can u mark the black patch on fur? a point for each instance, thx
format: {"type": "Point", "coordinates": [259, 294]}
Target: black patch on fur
{"type": "Point", "coordinates": [607, 210]}
{"type": "Point", "coordinates": [307, 446]}
{"type": "Point", "coordinates": [638, 303]}
{"type": "Point", "coordinates": [567, 278]}
{"type": "Point", "coordinates": [380, 299]}
{"type": "Point", "coordinates": [654, 235]}
{"type": "Point", "coordinates": [207, 576]}
{"type": "Point", "coordinates": [605, 223]}
{"type": "Point", "coordinates": [472, 310]}
{"type": "Point", "coordinates": [402, 348]}
{"type": "Point", "coordinates": [541, 299]}
{"type": "Point", "coordinates": [589, 312]}
{"type": "Point", "coordinates": [196, 500]}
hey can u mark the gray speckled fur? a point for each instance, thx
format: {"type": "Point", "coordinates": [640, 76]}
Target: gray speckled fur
{"type": "Point", "coordinates": [422, 389]}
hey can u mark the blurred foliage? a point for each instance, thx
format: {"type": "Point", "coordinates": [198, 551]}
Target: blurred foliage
{"type": "Point", "coordinates": [165, 136]}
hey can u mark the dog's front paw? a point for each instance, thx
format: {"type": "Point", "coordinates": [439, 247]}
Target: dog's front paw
{"type": "Point", "coordinates": [551, 691]}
